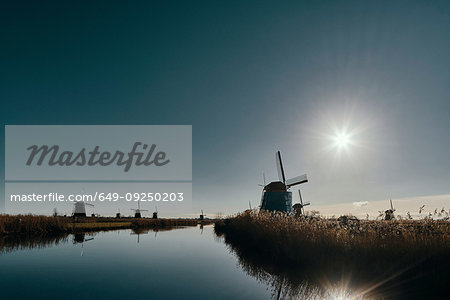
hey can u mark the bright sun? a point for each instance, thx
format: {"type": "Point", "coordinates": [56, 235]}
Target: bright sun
{"type": "Point", "coordinates": [342, 140]}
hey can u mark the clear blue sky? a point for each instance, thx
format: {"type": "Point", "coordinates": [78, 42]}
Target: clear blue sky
{"type": "Point", "coordinates": [251, 78]}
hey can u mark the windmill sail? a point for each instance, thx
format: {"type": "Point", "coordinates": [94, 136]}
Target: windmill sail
{"type": "Point", "coordinates": [280, 167]}
{"type": "Point", "coordinates": [297, 180]}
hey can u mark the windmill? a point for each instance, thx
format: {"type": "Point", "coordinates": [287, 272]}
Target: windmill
{"type": "Point", "coordinates": [299, 207]}
{"type": "Point", "coordinates": [276, 195]}
{"type": "Point", "coordinates": [80, 208]}
{"type": "Point", "coordinates": [155, 213]}
{"type": "Point", "coordinates": [202, 216]}
{"type": "Point", "coordinates": [389, 214]}
{"type": "Point", "coordinates": [137, 212]}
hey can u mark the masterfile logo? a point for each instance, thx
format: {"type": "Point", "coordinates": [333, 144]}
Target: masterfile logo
{"type": "Point", "coordinates": [84, 152]}
{"type": "Point", "coordinates": [53, 156]}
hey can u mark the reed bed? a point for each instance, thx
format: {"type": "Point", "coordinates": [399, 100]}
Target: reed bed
{"type": "Point", "coordinates": [379, 259]}
{"type": "Point", "coordinates": [20, 225]}
{"type": "Point", "coordinates": [42, 226]}
{"type": "Point", "coordinates": [282, 235]}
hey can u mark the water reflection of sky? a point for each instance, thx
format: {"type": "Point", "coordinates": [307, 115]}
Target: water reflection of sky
{"type": "Point", "coordinates": [187, 263]}
{"type": "Point", "coordinates": [177, 264]}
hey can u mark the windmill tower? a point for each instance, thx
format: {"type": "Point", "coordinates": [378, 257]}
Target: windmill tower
{"type": "Point", "coordinates": [299, 207]}
{"type": "Point", "coordinates": [155, 213]}
{"type": "Point", "coordinates": [80, 208]}
{"type": "Point", "coordinates": [137, 212]}
{"type": "Point", "coordinates": [389, 214]}
{"type": "Point", "coordinates": [276, 195]}
{"type": "Point", "coordinates": [202, 216]}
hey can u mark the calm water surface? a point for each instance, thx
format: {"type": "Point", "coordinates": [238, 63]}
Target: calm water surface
{"type": "Point", "coordinates": [182, 263]}
{"type": "Point", "coordinates": [185, 263]}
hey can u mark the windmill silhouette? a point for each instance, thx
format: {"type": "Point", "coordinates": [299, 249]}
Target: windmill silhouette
{"type": "Point", "coordinates": [137, 212]}
{"type": "Point", "coordinates": [389, 214]}
{"type": "Point", "coordinates": [155, 213]}
{"type": "Point", "coordinates": [276, 195]}
{"type": "Point", "coordinates": [80, 208]}
{"type": "Point", "coordinates": [299, 208]}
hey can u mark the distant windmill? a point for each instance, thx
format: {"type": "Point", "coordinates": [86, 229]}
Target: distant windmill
{"type": "Point", "coordinates": [155, 213]}
{"type": "Point", "coordinates": [276, 196]}
{"type": "Point", "coordinates": [389, 214]}
{"type": "Point", "coordinates": [80, 208]}
{"type": "Point", "coordinates": [299, 207]}
{"type": "Point", "coordinates": [202, 216]}
{"type": "Point", "coordinates": [137, 212]}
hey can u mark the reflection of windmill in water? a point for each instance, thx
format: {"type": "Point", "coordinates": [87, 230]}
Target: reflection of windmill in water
{"type": "Point", "coordinates": [137, 212]}
{"type": "Point", "coordinates": [138, 232]}
{"type": "Point", "coordinates": [276, 196]}
{"type": "Point", "coordinates": [80, 238]}
{"type": "Point", "coordinates": [389, 214]}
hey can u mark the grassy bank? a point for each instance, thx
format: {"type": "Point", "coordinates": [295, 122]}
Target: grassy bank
{"type": "Point", "coordinates": [282, 233]}
{"type": "Point", "coordinates": [29, 225]}
{"type": "Point", "coordinates": [374, 256]}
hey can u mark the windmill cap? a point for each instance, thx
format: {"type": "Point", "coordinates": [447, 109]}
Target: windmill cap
{"type": "Point", "coordinates": [276, 186]}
